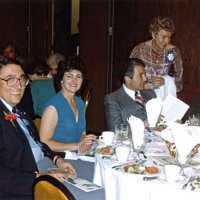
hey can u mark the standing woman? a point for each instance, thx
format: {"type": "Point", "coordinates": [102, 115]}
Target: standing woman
{"type": "Point", "coordinates": [63, 120]}
{"type": "Point", "coordinates": [162, 59]}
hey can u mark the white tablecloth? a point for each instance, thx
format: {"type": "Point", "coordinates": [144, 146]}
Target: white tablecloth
{"type": "Point", "coordinates": [122, 186]}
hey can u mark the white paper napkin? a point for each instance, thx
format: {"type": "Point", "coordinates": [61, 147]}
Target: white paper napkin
{"type": "Point", "coordinates": [137, 129]}
{"type": "Point", "coordinates": [185, 139]}
{"type": "Point", "coordinates": [153, 108]}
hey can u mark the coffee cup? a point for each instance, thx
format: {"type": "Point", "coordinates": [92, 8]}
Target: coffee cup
{"type": "Point", "coordinates": [107, 137]}
{"type": "Point", "coordinates": [122, 153]}
{"type": "Point", "coordinates": [172, 173]}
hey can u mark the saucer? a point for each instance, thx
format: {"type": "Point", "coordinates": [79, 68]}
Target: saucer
{"type": "Point", "coordinates": [113, 158]}
{"type": "Point", "coordinates": [181, 180]}
{"type": "Point", "coordinates": [155, 150]}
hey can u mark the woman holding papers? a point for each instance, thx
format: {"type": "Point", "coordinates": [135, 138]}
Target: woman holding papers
{"type": "Point", "coordinates": [162, 59]}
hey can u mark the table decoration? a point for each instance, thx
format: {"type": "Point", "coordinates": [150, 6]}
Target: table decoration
{"type": "Point", "coordinates": [187, 138]}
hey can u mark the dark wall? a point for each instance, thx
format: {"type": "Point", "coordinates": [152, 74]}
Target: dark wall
{"type": "Point", "coordinates": [132, 27]}
{"type": "Point", "coordinates": [14, 21]}
{"type": "Point", "coordinates": [93, 50]}
{"type": "Point", "coordinates": [131, 23]}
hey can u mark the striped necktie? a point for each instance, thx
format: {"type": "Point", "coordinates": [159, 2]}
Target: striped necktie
{"type": "Point", "coordinates": [25, 122]}
{"type": "Point", "coordinates": [139, 99]}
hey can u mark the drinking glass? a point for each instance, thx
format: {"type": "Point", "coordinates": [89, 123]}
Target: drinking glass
{"type": "Point", "coordinates": [121, 132]}
{"type": "Point", "coordinates": [183, 161]}
{"type": "Point", "coordinates": [194, 120]}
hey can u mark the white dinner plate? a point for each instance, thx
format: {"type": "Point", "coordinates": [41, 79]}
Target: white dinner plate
{"type": "Point", "coordinates": [106, 150]}
{"type": "Point", "coordinates": [181, 180]}
{"type": "Point", "coordinates": [155, 150]}
{"type": "Point", "coordinates": [140, 172]}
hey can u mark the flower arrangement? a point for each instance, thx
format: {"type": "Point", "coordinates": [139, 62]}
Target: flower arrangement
{"type": "Point", "coordinates": [10, 117]}
{"type": "Point", "coordinates": [170, 56]}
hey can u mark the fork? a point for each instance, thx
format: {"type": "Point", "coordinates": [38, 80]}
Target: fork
{"type": "Point", "coordinates": [188, 181]}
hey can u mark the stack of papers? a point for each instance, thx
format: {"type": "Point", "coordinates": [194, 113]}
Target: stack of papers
{"type": "Point", "coordinates": [78, 182]}
{"type": "Point", "coordinates": [171, 109]}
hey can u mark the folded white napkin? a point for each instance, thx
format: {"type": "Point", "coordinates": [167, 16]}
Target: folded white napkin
{"type": "Point", "coordinates": [185, 138]}
{"type": "Point", "coordinates": [70, 155]}
{"type": "Point", "coordinates": [74, 156]}
{"type": "Point", "coordinates": [168, 88]}
{"type": "Point", "coordinates": [137, 129]}
{"type": "Point", "coordinates": [153, 108]}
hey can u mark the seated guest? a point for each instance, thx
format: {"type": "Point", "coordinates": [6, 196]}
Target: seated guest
{"type": "Point", "coordinates": [123, 103]}
{"type": "Point", "coordinates": [22, 154]}
{"type": "Point", "coordinates": [42, 88]}
{"type": "Point", "coordinates": [8, 50]}
{"type": "Point", "coordinates": [53, 61]}
{"type": "Point", "coordinates": [63, 120]}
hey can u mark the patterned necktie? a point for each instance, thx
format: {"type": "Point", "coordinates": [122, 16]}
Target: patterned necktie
{"type": "Point", "coordinates": [139, 99]}
{"type": "Point", "coordinates": [25, 122]}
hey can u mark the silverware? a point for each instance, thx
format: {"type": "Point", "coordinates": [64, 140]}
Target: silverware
{"type": "Point", "coordinates": [145, 178]}
{"type": "Point", "coordinates": [117, 166]}
{"type": "Point", "coordinates": [140, 162]}
{"type": "Point", "coordinates": [192, 186]}
{"type": "Point", "coordinates": [157, 163]}
{"type": "Point", "coordinates": [190, 179]}
{"type": "Point", "coordinates": [142, 152]}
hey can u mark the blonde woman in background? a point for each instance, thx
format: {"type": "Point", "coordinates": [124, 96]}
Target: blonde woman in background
{"type": "Point", "coordinates": [53, 61]}
{"type": "Point", "coordinates": [161, 58]}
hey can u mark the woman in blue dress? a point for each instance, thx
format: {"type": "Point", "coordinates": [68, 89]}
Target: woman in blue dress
{"type": "Point", "coordinates": [63, 120]}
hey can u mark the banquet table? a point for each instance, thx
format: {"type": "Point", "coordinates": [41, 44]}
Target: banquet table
{"type": "Point", "coordinates": [120, 185]}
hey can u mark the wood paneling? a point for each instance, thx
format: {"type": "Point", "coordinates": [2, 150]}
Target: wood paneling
{"type": "Point", "coordinates": [27, 23]}
{"type": "Point", "coordinates": [14, 21]}
{"type": "Point", "coordinates": [93, 50]}
{"type": "Point", "coordinates": [131, 26]}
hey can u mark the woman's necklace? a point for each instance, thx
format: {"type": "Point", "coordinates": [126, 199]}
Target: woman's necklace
{"type": "Point", "coordinates": [159, 59]}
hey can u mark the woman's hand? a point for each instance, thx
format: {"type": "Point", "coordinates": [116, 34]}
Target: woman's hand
{"type": "Point", "coordinates": [158, 81]}
{"type": "Point", "coordinates": [86, 143]}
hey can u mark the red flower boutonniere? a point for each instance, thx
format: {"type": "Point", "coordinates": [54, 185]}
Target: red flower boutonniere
{"type": "Point", "coordinates": [10, 117]}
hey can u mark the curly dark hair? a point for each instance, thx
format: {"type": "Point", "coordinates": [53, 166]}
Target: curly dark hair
{"type": "Point", "coordinates": [67, 65]}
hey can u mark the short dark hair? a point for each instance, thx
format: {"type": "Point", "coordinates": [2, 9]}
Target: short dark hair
{"type": "Point", "coordinates": [6, 61]}
{"type": "Point", "coordinates": [128, 67]}
{"type": "Point", "coordinates": [67, 65]}
{"type": "Point", "coordinates": [36, 65]}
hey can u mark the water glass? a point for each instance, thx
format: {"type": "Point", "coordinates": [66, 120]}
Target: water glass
{"type": "Point", "coordinates": [194, 120]}
{"type": "Point", "coordinates": [121, 132]}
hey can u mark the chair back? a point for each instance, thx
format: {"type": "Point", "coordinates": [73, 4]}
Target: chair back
{"type": "Point", "coordinates": [47, 187]}
{"type": "Point", "coordinates": [88, 97]}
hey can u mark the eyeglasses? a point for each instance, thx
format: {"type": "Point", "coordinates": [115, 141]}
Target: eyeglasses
{"type": "Point", "coordinates": [23, 79]}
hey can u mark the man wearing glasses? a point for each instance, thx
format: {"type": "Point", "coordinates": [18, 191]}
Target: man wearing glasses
{"type": "Point", "coordinates": [21, 152]}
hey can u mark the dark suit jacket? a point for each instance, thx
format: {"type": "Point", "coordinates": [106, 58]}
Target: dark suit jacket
{"type": "Point", "coordinates": [119, 106]}
{"type": "Point", "coordinates": [17, 163]}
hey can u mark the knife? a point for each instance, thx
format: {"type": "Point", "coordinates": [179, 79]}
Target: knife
{"type": "Point", "coordinates": [145, 178]}
{"type": "Point", "coordinates": [117, 166]}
